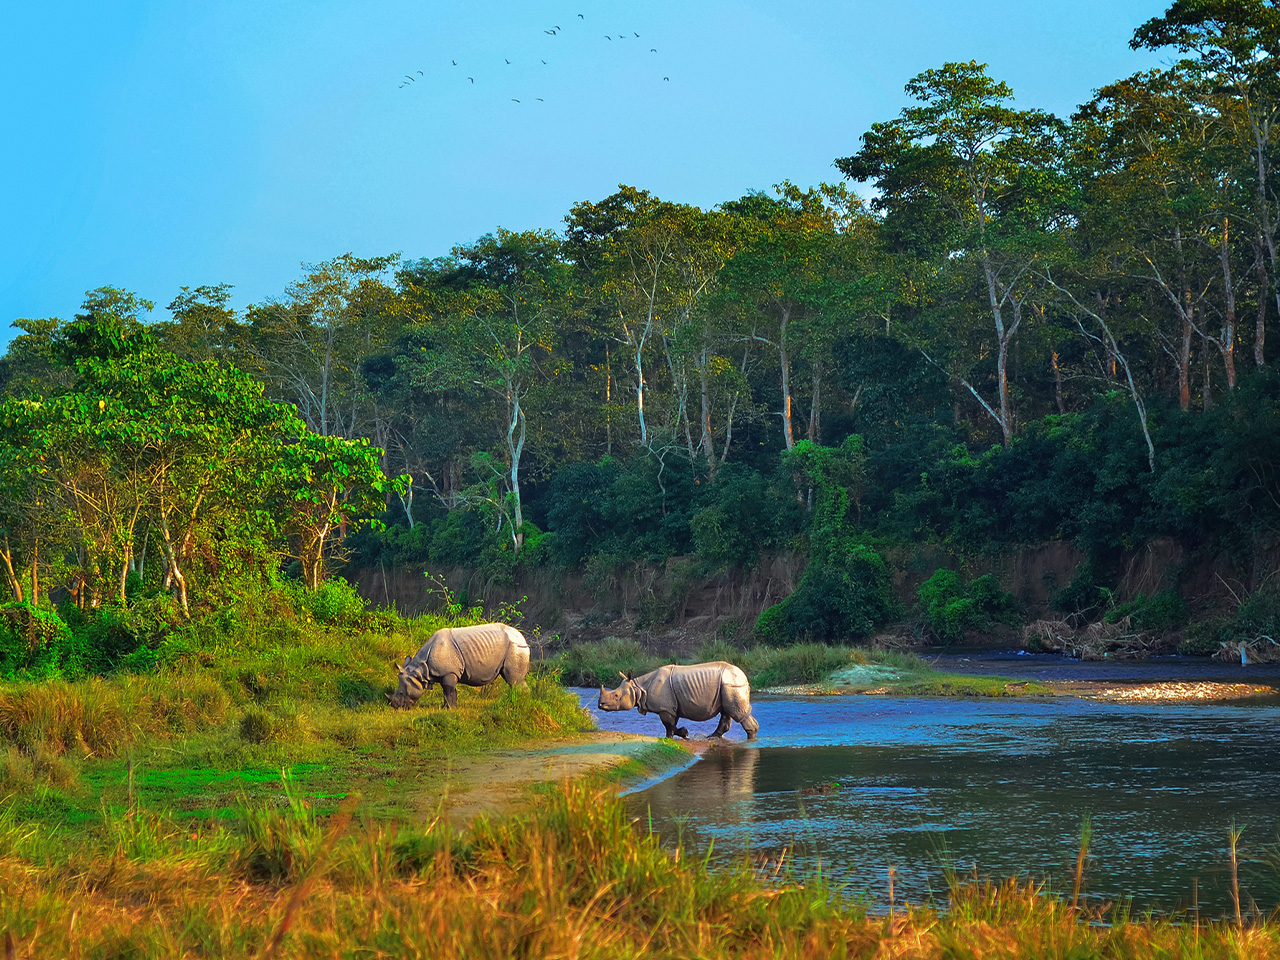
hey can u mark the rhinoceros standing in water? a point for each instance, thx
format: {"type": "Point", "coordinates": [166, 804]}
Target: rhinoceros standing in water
{"type": "Point", "coordinates": [471, 655]}
{"type": "Point", "coordinates": [696, 692]}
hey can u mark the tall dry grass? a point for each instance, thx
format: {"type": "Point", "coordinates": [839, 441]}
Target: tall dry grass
{"type": "Point", "coordinates": [575, 879]}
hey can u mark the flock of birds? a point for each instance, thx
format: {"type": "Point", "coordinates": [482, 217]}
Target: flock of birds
{"type": "Point", "coordinates": [555, 30]}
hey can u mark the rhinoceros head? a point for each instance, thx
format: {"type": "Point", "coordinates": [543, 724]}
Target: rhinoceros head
{"type": "Point", "coordinates": [624, 698]}
{"type": "Point", "coordinates": [408, 690]}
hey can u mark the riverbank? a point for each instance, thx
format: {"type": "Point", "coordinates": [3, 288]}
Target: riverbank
{"type": "Point", "coordinates": [573, 878]}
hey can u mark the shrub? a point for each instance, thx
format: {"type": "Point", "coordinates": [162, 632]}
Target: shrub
{"type": "Point", "coordinates": [1158, 613]}
{"type": "Point", "coordinates": [950, 607]}
{"type": "Point", "coordinates": [834, 602]}
{"type": "Point", "coordinates": [35, 643]}
{"type": "Point", "coordinates": [336, 602]}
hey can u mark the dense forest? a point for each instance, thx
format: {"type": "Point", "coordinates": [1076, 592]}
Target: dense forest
{"type": "Point", "coordinates": [998, 327]}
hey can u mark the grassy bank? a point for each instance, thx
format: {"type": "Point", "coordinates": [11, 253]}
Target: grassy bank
{"type": "Point", "coordinates": [817, 665]}
{"type": "Point", "coordinates": [228, 706]}
{"type": "Point", "coordinates": [576, 878]}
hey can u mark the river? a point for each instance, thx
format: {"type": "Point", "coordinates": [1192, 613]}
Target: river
{"type": "Point", "coordinates": [855, 785]}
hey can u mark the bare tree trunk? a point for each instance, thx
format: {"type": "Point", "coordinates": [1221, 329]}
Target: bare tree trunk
{"type": "Point", "coordinates": [171, 558]}
{"type": "Point", "coordinates": [785, 361]}
{"type": "Point", "coordinates": [14, 583]}
{"type": "Point", "coordinates": [1057, 384]}
{"type": "Point", "coordinates": [815, 406]}
{"type": "Point", "coordinates": [608, 402]}
{"type": "Point", "coordinates": [516, 448]}
{"type": "Point", "coordinates": [1227, 340]}
{"type": "Point", "coordinates": [708, 439]}
{"type": "Point", "coordinates": [1260, 326]}
{"type": "Point", "coordinates": [1206, 386]}
{"type": "Point", "coordinates": [1184, 362]}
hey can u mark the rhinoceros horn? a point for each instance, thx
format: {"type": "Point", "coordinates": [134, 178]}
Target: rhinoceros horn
{"type": "Point", "coordinates": [624, 676]}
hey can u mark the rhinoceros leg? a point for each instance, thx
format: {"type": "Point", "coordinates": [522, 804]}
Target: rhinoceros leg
{"type": "Point", "coordinates": [749, 724]}
{"type": "Point", "coordinates": [670, 721]}
{"type": "Point", "coordinates": [723, 726]}
{"type": "Point", "coordinates": [450, 686]}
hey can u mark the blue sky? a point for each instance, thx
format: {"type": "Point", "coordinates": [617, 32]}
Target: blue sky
{"type": "Point", "coordinates": [152, 145]}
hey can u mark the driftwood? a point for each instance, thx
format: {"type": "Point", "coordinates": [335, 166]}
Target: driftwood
{"type": "Point", "coordinates": [1262, 649]}
{"type": "Point", "coordinates": [1093, 641]}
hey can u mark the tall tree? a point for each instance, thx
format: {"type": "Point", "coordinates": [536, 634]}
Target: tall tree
{"type": "Point", "coordinates": [494, 307]}
{"type": "Point", "coordinates": [1236, 47]}
{"type": "Point", "coordinates": [968, 181]}
{"type": "Point", "coordinates": [311, 343]}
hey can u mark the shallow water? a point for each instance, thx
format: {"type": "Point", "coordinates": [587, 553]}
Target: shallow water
{"type": "Point", "coordinates": [996, 787]}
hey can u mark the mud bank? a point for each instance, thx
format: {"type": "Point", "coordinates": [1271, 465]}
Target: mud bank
{"type": "Point", "coordinates": [509, 781]}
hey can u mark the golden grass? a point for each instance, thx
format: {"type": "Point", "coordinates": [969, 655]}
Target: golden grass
{"type": "Point", "coordinates": [574, 879]}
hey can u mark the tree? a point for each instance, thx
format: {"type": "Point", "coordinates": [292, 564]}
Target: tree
{"type": "Point", "coordinates": [204, 326]}
{"type": "Point", "coordinates": [967, 181]}
{"type": "Point", "coordinates": [1237, 49]}
{"type": "Point", "coordinates": [311, 343]}
{"type": "Point", "coordinates": [493, 306]}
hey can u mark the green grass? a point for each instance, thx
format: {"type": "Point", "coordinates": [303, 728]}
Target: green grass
{"type": "Point", "coordinates": [237, 700]}
{"type": "Point", "coordinates": [576, 877]}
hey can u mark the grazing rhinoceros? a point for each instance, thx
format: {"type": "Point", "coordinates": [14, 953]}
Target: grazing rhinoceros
{"type": "Point", "coordinates": [696, 692]}
{"type": "Point", "coordinates": [471, 655]}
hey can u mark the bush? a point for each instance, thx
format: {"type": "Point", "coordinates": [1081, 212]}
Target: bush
{"type": "Point", "coordinates": [1158, 613]}
{"type": "Point", "coordinates": [35, 643]}
{"type": "Point", "coordinates": [950, 607]}
{"type": "Point", "coordinates": [337, 603]}
{"type": "Point", "coordinates": [834, 602]}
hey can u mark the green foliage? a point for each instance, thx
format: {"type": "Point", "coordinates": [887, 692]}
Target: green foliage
{"type": "Point", "coordinates": [335, 603]}
{"type": "Point", "coordinates": [1256, 619]}
{"type": "Point", "coordinates": [35, 643]}
{"type": "Point", "coordinates": [845, 591]}
{"type": "Point", "coordinates": [951, 607]}
{"type": "Point", "coordinates": [599, 664]}
{"type": "Point", "coordinates": [1159, 613]}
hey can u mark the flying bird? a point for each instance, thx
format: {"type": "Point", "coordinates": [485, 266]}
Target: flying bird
{"type": "Point", "coordinates": [636, 33]}
{"type": "Point", "coordinates": [559, 28]}
{"type": "Point", "coordinates": [420, 73]}
{"type": "Point", "coordinates": [552, 32]}
{"type": "Point", "coordinates": [666, 78]}
{"type": "Point", "coordinates": [653, 49]}
{"type": "Point", "coordinates": [455, 63]}
{"type": "Point", "coordinates": [472, 79]}
{"type": "Point", "coordinates": [544, 63]}
{"type": "Point", "coordinates": [410, 79]}
{"type": "Point", "coordinates": [607, 37]}
{"type": "Point", "coordinates": [514, 100]}
{"type": "Point", "coordinates": [508, 61]}
{"type": "Point", "coordinates": [539, 99]}
{"type": "Point", "coordinates": [581, 17]}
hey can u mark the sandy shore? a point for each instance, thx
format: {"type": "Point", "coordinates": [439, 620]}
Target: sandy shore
{"type": "Point", "coordinates": [506, 781]}
{"type": "Point", "coordinates": [1170, 692]}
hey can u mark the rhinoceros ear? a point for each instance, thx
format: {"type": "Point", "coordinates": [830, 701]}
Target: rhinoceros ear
{"type": "Point", "coordinates": [629, 675]}
{"type": "Point", "coordinates": [388, 696]}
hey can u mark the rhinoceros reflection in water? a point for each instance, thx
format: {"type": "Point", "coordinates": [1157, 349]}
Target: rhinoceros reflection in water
{"type": "Point", "coordinates": [695, 692]}
{"type": "Point", "coordinates": [474, 656]}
